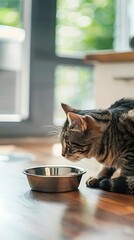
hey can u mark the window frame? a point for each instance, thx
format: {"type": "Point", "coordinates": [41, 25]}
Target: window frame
{"type": "Point", "coordinates": [122, 25]}
{"type": "Point", "coordinates": [42, 60]}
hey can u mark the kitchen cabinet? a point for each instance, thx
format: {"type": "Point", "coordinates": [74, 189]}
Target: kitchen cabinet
{"type": "Point", "coordinates": [113, 76]}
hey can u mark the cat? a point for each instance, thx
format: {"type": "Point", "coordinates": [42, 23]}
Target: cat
{"type": "Point", "coordinates": [108, 136]}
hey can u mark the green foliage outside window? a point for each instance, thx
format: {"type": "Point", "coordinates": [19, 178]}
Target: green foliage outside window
{"type": "Point", "coordinates": [10, 13]}
{"type": "Point", "coordinates": [84, 25]}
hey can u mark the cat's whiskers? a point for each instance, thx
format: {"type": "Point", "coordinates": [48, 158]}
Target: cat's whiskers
{"type": "Point", "coordinates": [54, 132]}
{"type": "Point", "coordinates": [50, 126]}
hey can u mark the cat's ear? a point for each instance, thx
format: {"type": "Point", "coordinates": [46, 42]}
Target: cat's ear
{"type": "Point", "coordinates": [92, 124]}
{"type": "Point", "coordinates": [66, 108]}
{"type": "Point", "coordinates": [80, 123]}
{"type": "Point", "coordinates": [76, 122]}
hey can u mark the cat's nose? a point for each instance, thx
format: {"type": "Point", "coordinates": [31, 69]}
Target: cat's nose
{"type": "Point", "coordinates": [63, 153]}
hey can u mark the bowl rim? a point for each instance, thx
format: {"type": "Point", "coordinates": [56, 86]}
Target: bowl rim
{"type": "Point", "coordinates": [54, 176]}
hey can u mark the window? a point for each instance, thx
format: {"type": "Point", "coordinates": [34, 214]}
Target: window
{"type": "Point", "coordinates": [84, 26]}
{"type": "Point", "coordinates": [61, 33]}
{"type": "Point", "coordinates": [14, 60]}
{"type": "Point", "coordinates": [77, 89]}
{"type": "Point", "coordinates": [81, 26]}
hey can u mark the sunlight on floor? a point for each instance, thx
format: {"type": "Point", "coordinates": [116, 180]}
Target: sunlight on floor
{"type": "Point", "coordinates": [10, 153]}
{"type": "Point", "coordinates": [56, 149]}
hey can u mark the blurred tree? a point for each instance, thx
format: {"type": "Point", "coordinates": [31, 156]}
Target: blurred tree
{"type": "Point", "coordinates": [10, 13]}
{"type": "Point", "coordinates": [84, 25]}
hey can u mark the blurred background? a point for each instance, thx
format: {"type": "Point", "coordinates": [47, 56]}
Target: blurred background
{"type": "Point", "coordinates": [42, 50]}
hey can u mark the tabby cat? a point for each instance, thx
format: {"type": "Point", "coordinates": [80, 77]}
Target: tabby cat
{"type": "Point", "coordinates": [107, 135]}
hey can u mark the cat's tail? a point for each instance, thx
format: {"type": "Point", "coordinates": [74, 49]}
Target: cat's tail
{"type": "Point", "coordinates": [122, 184]}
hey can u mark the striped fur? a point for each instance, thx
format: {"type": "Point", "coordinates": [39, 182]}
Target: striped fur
{"type": "Point", "coordinates": [107, 135]}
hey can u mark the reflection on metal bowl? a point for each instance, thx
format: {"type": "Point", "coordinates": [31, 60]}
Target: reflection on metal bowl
{"type": "Point", "coordinates": [52, 178]}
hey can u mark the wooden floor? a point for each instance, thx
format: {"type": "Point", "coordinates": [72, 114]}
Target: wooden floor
{"type": "Point", "coordinates": [80, 215]}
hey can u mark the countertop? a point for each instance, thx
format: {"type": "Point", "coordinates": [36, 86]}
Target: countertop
{"type": "Point", "coordinates": [109, 56]}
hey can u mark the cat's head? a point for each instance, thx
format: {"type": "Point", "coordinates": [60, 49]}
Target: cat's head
{"type": "Point", "coordinates": [79, 134]}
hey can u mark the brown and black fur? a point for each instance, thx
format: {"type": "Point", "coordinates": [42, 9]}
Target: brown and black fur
{"type": "Point", "coordinates": [107, 135]}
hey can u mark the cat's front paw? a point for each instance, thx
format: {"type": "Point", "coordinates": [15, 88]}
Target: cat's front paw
{"type": "Point", "coordinates": [105, 184]}
{"type": "Point", "coordinates": [92, 182]}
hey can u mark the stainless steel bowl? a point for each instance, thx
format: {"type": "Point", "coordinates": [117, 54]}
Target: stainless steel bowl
{"type": "Point", "coordinates": [50, 178]}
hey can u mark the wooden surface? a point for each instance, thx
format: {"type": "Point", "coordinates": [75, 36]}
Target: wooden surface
{"type": "Point", "coordinates": [110, 57]}
{"type": "Point", "coordinates": [80, 215]}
